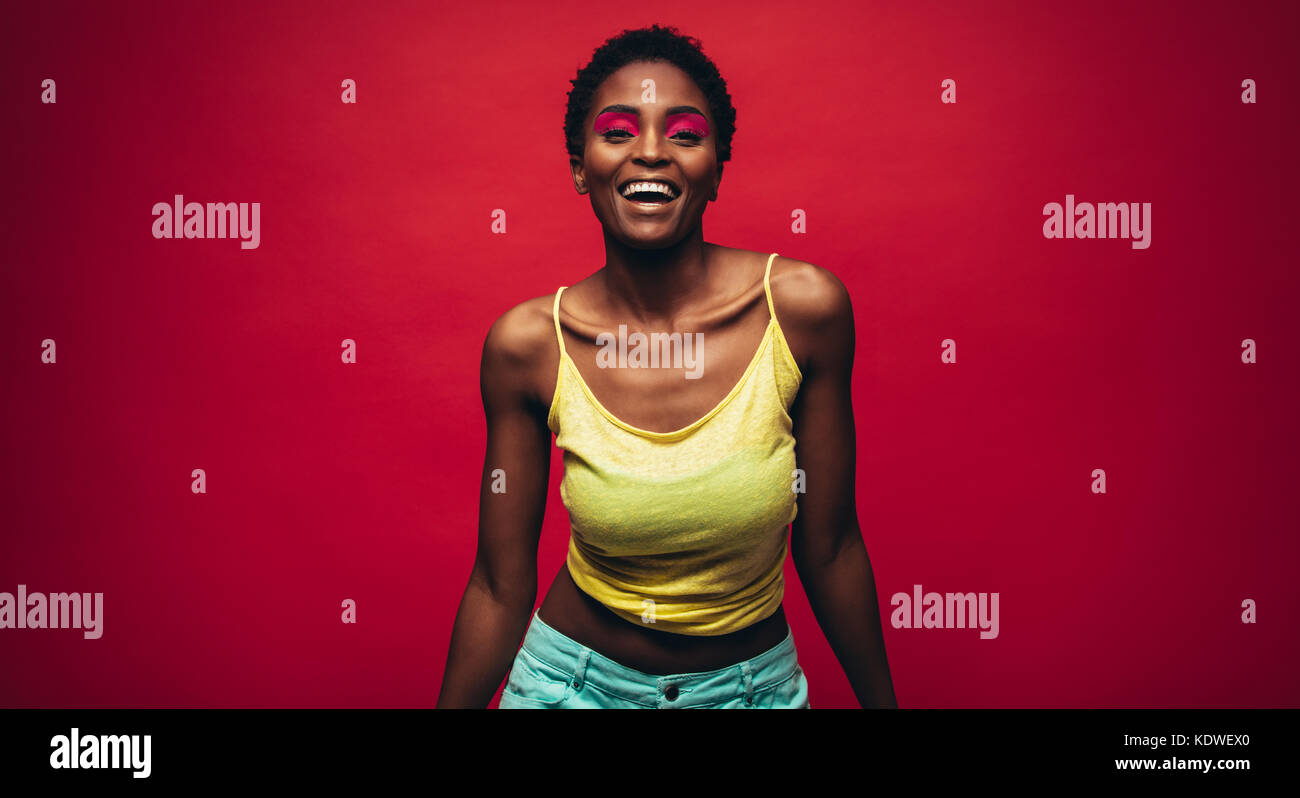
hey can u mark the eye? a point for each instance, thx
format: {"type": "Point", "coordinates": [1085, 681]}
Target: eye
{"type": "Point", "coordinates": [690, 134]}
{"type": "Point", "coordinates": [610, 133]}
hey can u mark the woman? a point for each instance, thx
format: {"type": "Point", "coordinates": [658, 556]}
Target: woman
{"type": "Point", "coordinates": [680, 463]}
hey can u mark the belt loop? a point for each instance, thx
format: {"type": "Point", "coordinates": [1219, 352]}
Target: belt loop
{"type": "Point", "coordinates": [580, 671]}
{"type": "Point", "coordinates": [749, 682]}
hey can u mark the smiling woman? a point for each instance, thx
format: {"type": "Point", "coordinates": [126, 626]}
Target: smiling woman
{"type": "Point", "coordinates": [681, 488]}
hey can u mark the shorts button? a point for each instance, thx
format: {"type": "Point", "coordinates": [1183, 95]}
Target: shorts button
{"type": "Point", "coordinates": [670, 692]}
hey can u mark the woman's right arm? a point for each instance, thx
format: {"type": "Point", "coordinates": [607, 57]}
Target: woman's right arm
{"type": "Point", "coordinates": [498, 601]}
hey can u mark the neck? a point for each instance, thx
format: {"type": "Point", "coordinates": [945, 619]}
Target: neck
{"type": "Point", "coordinates": [654, 286]}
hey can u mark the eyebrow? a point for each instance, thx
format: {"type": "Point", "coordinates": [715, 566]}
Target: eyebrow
{"type": "Point", "coordinates": [631, 109]}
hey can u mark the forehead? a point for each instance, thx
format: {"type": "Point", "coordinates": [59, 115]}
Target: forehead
{"type": "Point", "coordinates": [672, 86]}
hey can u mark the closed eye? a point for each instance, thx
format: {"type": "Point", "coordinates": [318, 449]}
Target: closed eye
{"type": "Point", "coordinates": [690, 135]}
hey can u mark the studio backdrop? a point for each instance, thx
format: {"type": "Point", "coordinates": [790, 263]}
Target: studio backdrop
{"type": "Point", "coordinates": [253, 455]}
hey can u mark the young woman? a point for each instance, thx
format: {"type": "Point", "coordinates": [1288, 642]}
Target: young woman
{"type": "Point", "coordinates": [683, 466]}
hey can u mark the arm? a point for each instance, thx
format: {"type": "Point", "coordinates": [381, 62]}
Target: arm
{"type": "Point", "coordinates": [825, 540]}
{"type": "Point", "coordinates": [498, 601]}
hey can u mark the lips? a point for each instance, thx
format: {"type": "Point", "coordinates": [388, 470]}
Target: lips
{"type": "Point", "coordinates": [677, 190]}
{"type": "Point", "coordinates": [648, 202]}
{"type": "Point", "coordinates": [662, 202]}
{"type": "Point", "coordinates": [649, 190]}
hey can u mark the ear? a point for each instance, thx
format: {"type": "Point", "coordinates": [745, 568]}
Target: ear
{"type": "Point", "coordinates": [579, 174]}
{"type": "Point", "coordinates": [717, 182]}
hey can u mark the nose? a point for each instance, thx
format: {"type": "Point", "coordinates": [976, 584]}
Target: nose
{"type": "Point", "coordinates": [649, 146]}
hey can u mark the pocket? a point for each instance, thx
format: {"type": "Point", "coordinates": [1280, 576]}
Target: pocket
{"type": "Point", "coordinates": [790, 693]}
{"type": "Point", "coordinates": [534, 683]}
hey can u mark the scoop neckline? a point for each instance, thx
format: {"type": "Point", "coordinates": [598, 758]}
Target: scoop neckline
{"type": "Point", "coordinates": [689, 428]}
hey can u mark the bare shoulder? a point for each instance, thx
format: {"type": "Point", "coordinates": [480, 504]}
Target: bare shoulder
{"type": "Point", "coordinates": [523, 331]}
{"type": "Point", "coordinates": [810, 301]}
{"type": "Point", "coordinates": [521, 347]}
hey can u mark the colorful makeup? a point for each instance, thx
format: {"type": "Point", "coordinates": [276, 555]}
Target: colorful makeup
{"type": "Point", "coordinates": [691, 123]}
{"type": "Point", "coordinates": [616, 120]}
{"type": "Point", "coordinates": [688, 123]}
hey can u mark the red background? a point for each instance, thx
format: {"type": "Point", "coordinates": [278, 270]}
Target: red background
{"type": "Point", "coordinates": [328, 481]}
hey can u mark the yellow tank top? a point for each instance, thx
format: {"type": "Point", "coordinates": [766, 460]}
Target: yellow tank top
{"type": "Point", "coordinates": [689, 528]}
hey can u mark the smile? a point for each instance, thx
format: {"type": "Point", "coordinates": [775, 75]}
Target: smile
{"type": "Point", "coordinates": [649, 194]}
{"type": "Point", "coordinates": [651, 204]}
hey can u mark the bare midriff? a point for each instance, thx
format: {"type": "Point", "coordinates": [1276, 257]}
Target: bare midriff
{"type": "Point", "coordinates": [573, 613]}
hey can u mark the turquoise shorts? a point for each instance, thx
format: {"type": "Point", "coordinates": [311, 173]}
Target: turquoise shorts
{"type": "Point", "coordinates": [553, 671]}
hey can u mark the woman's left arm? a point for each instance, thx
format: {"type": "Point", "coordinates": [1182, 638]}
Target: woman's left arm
{"type": "Point", "coordinates": [825, 540]}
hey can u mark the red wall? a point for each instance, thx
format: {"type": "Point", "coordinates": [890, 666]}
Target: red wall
{"type": "Point", "coordinates": [329, 481]}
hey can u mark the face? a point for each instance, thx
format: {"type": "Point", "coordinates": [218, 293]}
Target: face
{"type": "Point", "coordinates": [635, 135]}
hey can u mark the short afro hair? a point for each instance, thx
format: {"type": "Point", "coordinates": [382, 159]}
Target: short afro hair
{"type": "Point", "coordinates": [654, 43]}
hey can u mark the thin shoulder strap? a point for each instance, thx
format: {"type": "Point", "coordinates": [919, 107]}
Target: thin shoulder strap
{"type": "Point", "coordinates": [767, 285]}
{"type": "Point", "coordinates": [555, 315]}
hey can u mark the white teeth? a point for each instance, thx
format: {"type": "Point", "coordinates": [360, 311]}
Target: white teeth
{"type": "Point", "coordinates": [662, 188]}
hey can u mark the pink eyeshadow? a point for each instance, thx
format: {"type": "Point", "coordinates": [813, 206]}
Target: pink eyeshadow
{"type": "Point", "coordinates": [692, 122]}
{"type": "Point", "coordinates": [611, 120]}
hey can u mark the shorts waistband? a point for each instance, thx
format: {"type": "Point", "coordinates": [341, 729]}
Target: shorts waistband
{"type": "Point", "coordinates": [588, 665]}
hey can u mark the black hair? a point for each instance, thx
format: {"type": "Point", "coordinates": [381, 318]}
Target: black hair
{"type": "Point", "coordinates": [654, 43]}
